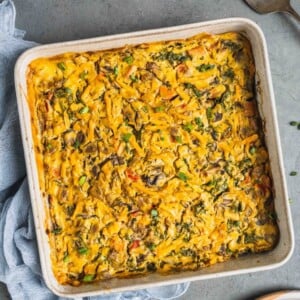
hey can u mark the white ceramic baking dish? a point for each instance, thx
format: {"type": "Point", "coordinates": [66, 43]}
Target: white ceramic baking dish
{"type": "Point", "coordinates": [265, 97]}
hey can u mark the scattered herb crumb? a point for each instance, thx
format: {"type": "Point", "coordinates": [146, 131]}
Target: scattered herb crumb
{"type": "Point", "coordinates": [252, 149]}
{"type": "Point", "coordinates": [82, 180]}
{"type": "Point", "coordinates": [126, 137]}
{"type": "Point", "coordinates": [205, 67]}
{"type": "Point", "coordinates": [61, 66]}
{"type": "Point", "coordinates": [84, 110]}
{"type": "Point", "coordinates": [178, 139]}
{"type": "Point", "coordinates": [88, 278]}
{"type": "Point", "coordinates": [159, 109]}
{"type": "Point", "coordinates": [154, 213]}
{"type": "Point", "coordinates": [83, 74]}
{"type": "Point", "coordinates": [128, 59]}
{"type": "Point", "coordinates": [182, 176]}
{"type": "Point", "coordinates": [293, 173]}
{"type": "Point", "coordinates": [188, 127]}
{"type": "Point", "coordinates": [116, 70]}
{"type": "Point", "coordinates": [293, 123]}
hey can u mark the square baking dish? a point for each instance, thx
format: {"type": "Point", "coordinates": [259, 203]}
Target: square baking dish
{"type": "Point", "coordinates": [266, 103]}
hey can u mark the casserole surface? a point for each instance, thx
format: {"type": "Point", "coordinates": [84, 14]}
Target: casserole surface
{"type": "Point", "coordinates": [151, 157]}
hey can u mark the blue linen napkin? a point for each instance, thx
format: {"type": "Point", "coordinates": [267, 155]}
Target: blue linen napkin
{"type": "Point", "coordinates": [19, 261]}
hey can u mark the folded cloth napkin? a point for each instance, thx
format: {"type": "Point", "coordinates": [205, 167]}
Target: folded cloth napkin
{"type": "Point", "coordinates": [19, 261]}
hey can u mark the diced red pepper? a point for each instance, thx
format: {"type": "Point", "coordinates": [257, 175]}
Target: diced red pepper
{"type": "Point", "coordinates": [135, 244]}
{"type": "Point", "coordinates": [56, 172]}
{"type": "Point", "coordinates": [134, 213]}
{"type": "Point", "coordinates": [131, 175]}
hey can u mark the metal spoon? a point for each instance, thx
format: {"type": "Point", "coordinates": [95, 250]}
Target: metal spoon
{"type": "Point", "coordinates": [270, 6]}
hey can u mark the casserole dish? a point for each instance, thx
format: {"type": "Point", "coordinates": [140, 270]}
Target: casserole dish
{"type": "Point", "coordinates": [266, 106]}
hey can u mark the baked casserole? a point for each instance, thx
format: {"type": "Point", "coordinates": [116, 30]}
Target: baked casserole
{"type": "Point", "coordinates": [151, 158]}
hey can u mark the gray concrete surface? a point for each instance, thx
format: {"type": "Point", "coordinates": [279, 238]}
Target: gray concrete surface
{"type": "Point", "coordinates": [59, 20]}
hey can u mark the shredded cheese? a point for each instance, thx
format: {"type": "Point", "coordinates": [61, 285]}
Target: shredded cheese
{"type": "Point", "coordinates": [151, 157]}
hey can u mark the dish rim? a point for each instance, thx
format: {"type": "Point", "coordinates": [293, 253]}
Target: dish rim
{"type": "Point", "coordinates": [207, 26]}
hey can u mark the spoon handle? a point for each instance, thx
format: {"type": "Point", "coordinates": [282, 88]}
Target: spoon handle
{"type": "Point", "coordinates": [289, 9]}
{"type": "Point", "coordinates": [281, 295]}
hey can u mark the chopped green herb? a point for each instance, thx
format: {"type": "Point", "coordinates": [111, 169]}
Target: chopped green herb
{"type": "Point", "coordinates": [232, 223]}
{"type": "Point", "coordinates": [76, 144]}
{"type": "Point", "coordinates": [298, 126]}
{"type": "Point", "coordinates": [186, 226]}
{"type": "Point", "coordinates": [62, 106]}
{"type": "Point", "coordinates": [84, 110]}
{"type": "Point", "coordinates": [231, 45]}
{"type": "Point", "coordinates": [128, 59]}
{"type": "Point", "coordinates": [293, 123]}
{"type": "Point", "coordinates": [83, 74]}
{"type": "Point", "coordinates": [154, 213]}
{"type": "Point", "coordinates": [205, 67]}
{"type": "Point", "coordinates": [199, 122]}
{"type": "Point", "coordinates": [49, 147]}
{"type": "Point", "coordinates": [182, 176]}
{"type": "Point", "coordinates": [245, 164]}
{"type": "Point", "coordinates": [57, 230]}
{"type": "Point", "coordinates": [60, 93]}
{"type": "Point", "coordinates": [187, 238]}
{"type": "Point", "coordinates": [68, 90]}
{"type": "Point", "coordinates": [293, 173]}
{"type": "Point", "coordinates": [197, 92]}
{"type": "Point", "coordinates": [61, 66]}
{"type": "Point", "coordinates": [133, 78]}
{"type": "Point", "coordinates": [273, 216]}
{"type": "Point", "coordinates": [145, 109]}
{"type": "Point", "coordinates": [178, 139]}
{"type": "Point", "coordinates": [63, 92]}
{"type": "Point", "coordinates": [159, 109]}
{"type": "Point", "coordinates": [229, 73]}
{"type": "Point", "coordinates": [250, 238]}
{"type": "Point", "coordinates": [82, 180]}
{"type": "Point", "coordinates": [116, 70]}
{"type": "Point", "coordinates": [66, 257]}
{"type": "Point", "coordinates": [171, 57]}
{"type": "Point", "coordinates": [82, 250]}
{"type": "Point", "coordinates": [88, 278]}
{"type": "Point", "coordinates": [252, 150]}
{"type": "Point", "coordinates": [126, 137]}
{"type": "Point", "coordinates": [190, 86]}
{"type": "Point", "coordinates": [209, 113]}
{"type": "Point", "coordinates": [187, 252]}
{"type": "Point", "coordinates": [198, 209]}
{"type": "Point", "coordinates": [150, 246]}
{"type": "Point", "coordinates": [188, 127]}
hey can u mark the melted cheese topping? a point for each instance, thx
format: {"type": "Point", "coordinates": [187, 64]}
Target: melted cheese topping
{"type": "Point", "coordinates": [151, 157]}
